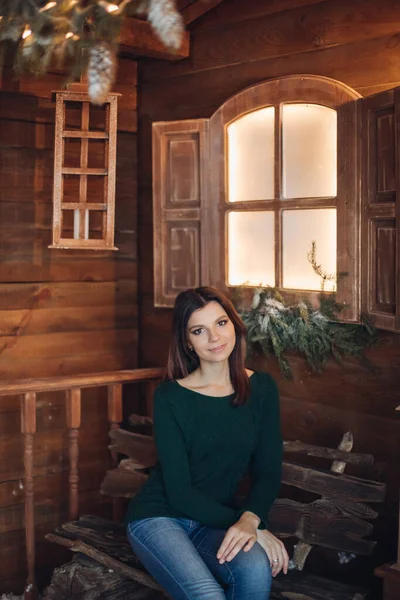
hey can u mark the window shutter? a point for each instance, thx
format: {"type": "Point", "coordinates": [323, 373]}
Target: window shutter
{"type": "Point", "coordinates": [381, 210]}
{"type": "Point", "coordinates": [180, 196]}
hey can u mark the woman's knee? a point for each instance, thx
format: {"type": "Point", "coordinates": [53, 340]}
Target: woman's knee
{"type": "Point", "coordinates": [252, 571]}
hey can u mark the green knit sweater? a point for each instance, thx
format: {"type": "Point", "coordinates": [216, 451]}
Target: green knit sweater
{"type": "Point", "coordinates": [205, 446]}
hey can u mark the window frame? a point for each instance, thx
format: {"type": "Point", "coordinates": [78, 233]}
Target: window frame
{"type": "Point", "coordinates": [292, 89]}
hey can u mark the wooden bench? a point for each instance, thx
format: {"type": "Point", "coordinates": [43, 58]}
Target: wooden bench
{"type": "Point", "coordinates": [337, 518]}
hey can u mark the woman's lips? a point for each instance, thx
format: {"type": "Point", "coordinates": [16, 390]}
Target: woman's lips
{"type": "Point", "coordinates": [218, 348]}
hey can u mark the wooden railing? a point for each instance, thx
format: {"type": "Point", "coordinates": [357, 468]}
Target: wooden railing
{"type": "Point", "coordinates": [72, 386]}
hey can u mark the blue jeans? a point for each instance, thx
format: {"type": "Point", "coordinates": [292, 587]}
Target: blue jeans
{"type": "Point", "coordinates": [181, 555]}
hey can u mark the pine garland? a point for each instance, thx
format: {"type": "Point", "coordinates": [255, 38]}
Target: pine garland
{"type": "Point", "coordinates": [279, 328]}
{"type": "Point", "coordinates": [46, 32]}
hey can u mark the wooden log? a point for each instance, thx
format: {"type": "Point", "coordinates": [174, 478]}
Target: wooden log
{"type": "Point", "coordinates": [321, 523]}
{"type": "Point", "coordinates": [88, 579]}
{"type": "Point", "coordinates": [140, 420]}
{"type": "Point", "coordinates": [297, 447]}
{"type": "Point", "coordinates": [138, 447]}
{"type": "Point", "coordinates": [302, 549]}
{"type": "Point", "coordinates": [332, 486]}
{"type": "Point", "coordinates": [122, 483]}
{"type": "Point", "coordinates": [104, 559]}
{"type": "Point", "coordinates": [303, 586]}
{"type": "Point", "coordinates": [104, 541]}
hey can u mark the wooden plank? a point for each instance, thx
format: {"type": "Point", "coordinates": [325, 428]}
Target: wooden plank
{"type": "Point", "coordinates": [55, 366]}
{"type": "Point", "coordinates": [230, 12]}
{"type": "Point", "coordinates": [89, 380]}
{"type": "Point", "coordinates": [286, 34]}
{"type": "Point", "coordinates": [298, 447]}
{"type": "Point", "coordinates": [64, 343]}
{"type": "Point", "coordinates": [67, 268]}
{"type": "Point", "coordinates": [36, 322]}
{"type": "Point", "coordinates": [198, 95]}
{"type": "Point", "coordinates": [138, 37]}
{"type": "Point", "coordinates": [66, 294]}
{"type": "Point", "coordinates": [198, 9]}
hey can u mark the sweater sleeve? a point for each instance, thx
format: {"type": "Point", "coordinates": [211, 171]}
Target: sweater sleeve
{"type": "Point", "coordinates": [266, 464]}
{"type": "Point", "coordinates": [174, 462]}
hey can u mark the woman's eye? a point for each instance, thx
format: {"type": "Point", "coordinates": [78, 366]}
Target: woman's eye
{"type": "Point", "coordinates": [197, 331]}
{"type": "Point", "coordinates": [223, 322]}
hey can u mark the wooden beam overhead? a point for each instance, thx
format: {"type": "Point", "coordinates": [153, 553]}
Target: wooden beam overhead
{"type": "Point", "coordinates": [137, 37]}
{"type": "Point", "coordinates": [197, 9]}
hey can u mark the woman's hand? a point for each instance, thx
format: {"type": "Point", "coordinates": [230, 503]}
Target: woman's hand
{"type": "Point", "coordinates": [275, 550]}
{"type": "Point", "coordinates": [242, 535]}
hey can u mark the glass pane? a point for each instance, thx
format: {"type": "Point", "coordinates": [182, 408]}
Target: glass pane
{"type": "Point", "coordinates": [251, 156]}
{"type": "Point", "coordinates": [299, 229]}
{"type": "Point", "coordinates": [309, 140]}
{"type": "Point", "coordinates": [251, 255]}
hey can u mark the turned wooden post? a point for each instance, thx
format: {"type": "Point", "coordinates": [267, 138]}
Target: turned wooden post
{"type": "Point", "coordinates": [150, 387]}
{"type": "Point", "coordinates": [28, 429]}
{"type": "Point", "coordinates": [73, 410]}
{"type": "Point", "coordinates": [115, 420]}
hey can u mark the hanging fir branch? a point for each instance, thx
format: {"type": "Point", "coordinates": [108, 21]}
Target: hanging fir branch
{"type": "Point", "coordinates": [58, 31]}
{"type": "Point", "coordinates": [279, 328]}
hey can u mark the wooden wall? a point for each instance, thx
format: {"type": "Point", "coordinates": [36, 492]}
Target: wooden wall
{"type": "Point", "coordinates": [356, 42]}
{"type": "Point", "coordinates": [61, 312]}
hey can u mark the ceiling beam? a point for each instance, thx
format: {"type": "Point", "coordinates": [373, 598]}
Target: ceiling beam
{"type": "Point", "coordinates": [197, 9]}
{"type": "Point", "coordinates": [137, 37]}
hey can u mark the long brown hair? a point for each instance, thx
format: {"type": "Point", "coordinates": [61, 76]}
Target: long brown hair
{"type": "Point", "coordinates": [182, 362]}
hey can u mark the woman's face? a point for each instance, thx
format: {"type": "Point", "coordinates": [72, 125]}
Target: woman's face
{"type": "Point", "coordinates": [211, 333]}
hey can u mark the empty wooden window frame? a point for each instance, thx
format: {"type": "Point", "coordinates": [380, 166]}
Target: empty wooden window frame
{"type": "Point", "coordinates": [83, 194]}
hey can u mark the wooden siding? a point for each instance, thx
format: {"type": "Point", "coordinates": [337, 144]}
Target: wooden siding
{"type": "Point", "coordinates": [61, 312]}
{"type": "Point", "coordinates": [356, 42]}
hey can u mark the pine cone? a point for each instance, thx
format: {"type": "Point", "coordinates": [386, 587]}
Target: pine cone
{"type": "Point", "coordinates": [101, 71]}
{"type": "Point", "coordinates": [167, 22]}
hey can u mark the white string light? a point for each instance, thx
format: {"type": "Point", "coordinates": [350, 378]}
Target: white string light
{"type": "Point", "coordinates": [48, 6]}
{"type": "Point", "coordinates": [108, 6]}
{"type": "Point", "coordinates": [27, 32]}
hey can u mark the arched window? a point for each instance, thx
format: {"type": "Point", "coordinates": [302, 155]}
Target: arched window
{"type": "Point", "coordinates": [241, 198]}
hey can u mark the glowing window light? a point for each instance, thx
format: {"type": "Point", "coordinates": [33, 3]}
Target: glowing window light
{"type": "Point", "coordinates": [309, 151]}
{"type": "Point", "coordinates": [299, 229]}
{"type": "Point", "coordinates": [251, 245]}
{"type": "Point", "coordinates": [250, 141]}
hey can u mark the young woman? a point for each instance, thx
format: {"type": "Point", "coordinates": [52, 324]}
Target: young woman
{"type": "Point", "coordinates": [214, 420]}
